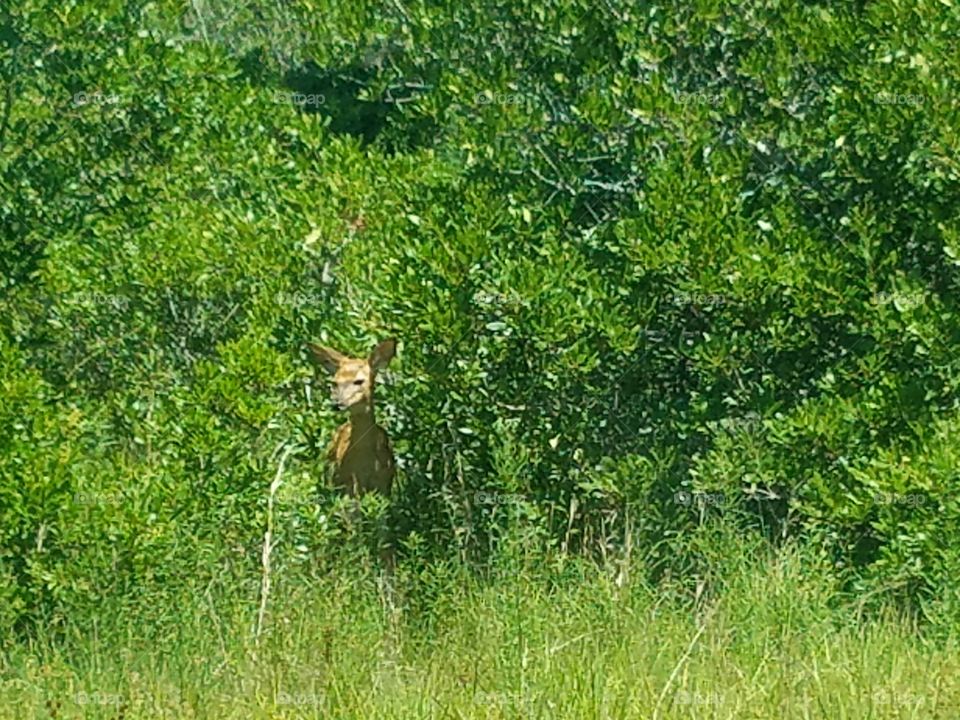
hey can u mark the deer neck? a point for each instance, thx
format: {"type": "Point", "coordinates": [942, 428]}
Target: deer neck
{"type": "Point", "coordinates": [362, 422]}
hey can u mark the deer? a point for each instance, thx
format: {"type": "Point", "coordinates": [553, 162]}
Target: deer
{"type": "Point", "coordinates": [360, 456]}
{"type": "Point", "coordinates": [360, 453]}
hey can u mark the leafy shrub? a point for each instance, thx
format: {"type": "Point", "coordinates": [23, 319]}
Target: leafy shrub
{"type": "Point", "coordinates": [648, 267]}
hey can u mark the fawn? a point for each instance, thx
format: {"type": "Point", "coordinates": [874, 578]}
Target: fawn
{"type": "Point", "coordinates": [360, 454]}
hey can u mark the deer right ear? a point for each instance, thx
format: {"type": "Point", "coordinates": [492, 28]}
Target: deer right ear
{"type": "Point", "coordinates": [327, 357]}
{"type": "Point", "coordinates": [382, 354]}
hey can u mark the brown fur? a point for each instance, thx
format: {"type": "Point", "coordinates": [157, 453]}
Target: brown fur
{"type": "Point", "coordinates": [364, 464]}
{"type": "Point", "coordinates": [360, 455]}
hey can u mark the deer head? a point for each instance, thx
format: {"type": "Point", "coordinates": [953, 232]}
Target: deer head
{"type": "Point", "coordinates": [353, 378]}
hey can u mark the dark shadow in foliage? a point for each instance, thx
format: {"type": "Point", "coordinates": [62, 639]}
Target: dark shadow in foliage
{"type": "Point", "coordinates": [10, 40]}
{"type": "Point", "coordinates": [369, 95]}
{"type": "Point", "coordinates": [256, 66]}
{"type": "Point", "coordinates": [336, 94]}
{"type": "Point", "coordinates": [19, 258]}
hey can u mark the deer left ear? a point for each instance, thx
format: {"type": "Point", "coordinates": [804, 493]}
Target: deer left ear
{"type": "Point", "coordinates": [327, 357]}
{"type": "Point", "coordinates": [382, 354]}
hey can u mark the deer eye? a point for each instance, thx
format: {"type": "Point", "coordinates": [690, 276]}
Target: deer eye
{"type": "Point", "coordinates": [358, 382]}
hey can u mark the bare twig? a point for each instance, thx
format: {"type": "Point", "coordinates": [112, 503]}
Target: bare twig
{"type": "Point", "coordinates": [268, 544]}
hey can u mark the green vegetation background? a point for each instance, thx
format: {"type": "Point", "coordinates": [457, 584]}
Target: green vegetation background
{"type": "Point", "coordinates": [652, 266]}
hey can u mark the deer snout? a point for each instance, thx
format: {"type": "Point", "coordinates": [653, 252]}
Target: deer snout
{"type": "Point", "coordinates": [336, 400]}
{"type": "Point", "coordinates": [345, 399]}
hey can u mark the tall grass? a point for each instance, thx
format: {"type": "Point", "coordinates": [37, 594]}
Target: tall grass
{"type": "Point", "coordinates": [760, 636]}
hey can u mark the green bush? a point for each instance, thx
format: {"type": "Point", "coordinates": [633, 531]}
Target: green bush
{"type": "Point", "coordinates": [648, 266]}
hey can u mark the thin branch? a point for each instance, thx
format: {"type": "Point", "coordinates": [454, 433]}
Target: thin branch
{"type": "Point", "coordinates": [268, 544]}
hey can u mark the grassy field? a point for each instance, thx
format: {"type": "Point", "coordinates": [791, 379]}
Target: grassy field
{"type": "Point", "coordinates": [766, 637]}
{"type": "Point", "coordinates": [675, 407]}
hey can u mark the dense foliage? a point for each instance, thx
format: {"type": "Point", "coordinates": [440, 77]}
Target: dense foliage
{"type": "Point", "coordinates": [650, 265]}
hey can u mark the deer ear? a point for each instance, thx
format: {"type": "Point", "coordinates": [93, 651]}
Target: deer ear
{"type": "Point", "coordinates": [382, 354]}
{"type": "Point", "coordinates": [328, 357]}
